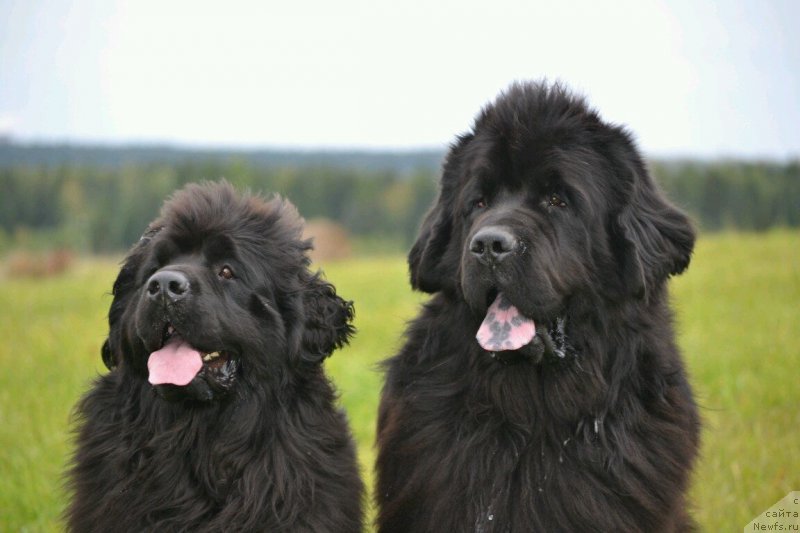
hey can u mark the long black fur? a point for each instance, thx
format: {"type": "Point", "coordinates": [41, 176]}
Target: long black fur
{"type": "Point", "coordinates": [600, 437]}
{"type": "Point", "coordinates": [274, 453]}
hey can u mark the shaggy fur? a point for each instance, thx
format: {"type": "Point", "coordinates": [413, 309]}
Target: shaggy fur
{"type": "Point", "coordinates": [255, 441]}
{"type": "Point", "coordinates": [590, 427]}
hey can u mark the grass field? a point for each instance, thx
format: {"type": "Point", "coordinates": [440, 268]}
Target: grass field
{"type": "Point", "coordinates": [738, 313]}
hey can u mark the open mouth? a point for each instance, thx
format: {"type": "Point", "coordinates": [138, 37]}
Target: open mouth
{"type": "Point", "coordinates": [506, 329]}
{"type": "Point", "coordinates": [177, 363]}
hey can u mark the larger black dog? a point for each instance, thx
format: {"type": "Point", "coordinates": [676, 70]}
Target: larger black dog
{"type": "Point", "coordinates": [540, 389]}
{"type": "Point", "coordinates": [216, 414]}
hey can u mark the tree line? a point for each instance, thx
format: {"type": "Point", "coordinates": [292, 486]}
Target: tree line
{"type": "Point", "coordinates": [752, 196]}
{"type": "Point", "coordinates": [101, 208]}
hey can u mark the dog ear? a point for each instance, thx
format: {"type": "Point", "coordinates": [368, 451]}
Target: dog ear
{"type": "Point", "coordinates": [124, 285]}
{"type": "Point", "coordinates": [328, 320]}
{"type": "Point", "coordinates": [428, 274]}
{"type": "Point", "coordinates": [654, 238]}
{"type": "Point", "coordinates": [429, 269]}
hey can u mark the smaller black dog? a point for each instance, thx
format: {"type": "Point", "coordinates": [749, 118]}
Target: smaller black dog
{"type": "Point", "coordinates": [216, 414]}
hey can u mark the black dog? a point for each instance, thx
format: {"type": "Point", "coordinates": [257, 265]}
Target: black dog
{"type": "Point", "coordinates": [571, 410]}
{"type": "Point", "coordinates": [216, 414]}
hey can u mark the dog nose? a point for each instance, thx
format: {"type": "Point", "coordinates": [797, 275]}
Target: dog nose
{"type": "Point", "coordinates": [493, 244]}
{"type": "Point", "coordinates": [167, 283]}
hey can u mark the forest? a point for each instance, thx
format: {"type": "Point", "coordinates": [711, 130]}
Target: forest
{"type": "Point", "coordinates": [100, 199]}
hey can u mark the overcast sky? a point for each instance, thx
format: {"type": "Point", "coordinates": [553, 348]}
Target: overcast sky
{"type": "Point", "coordinates": [690, 78]}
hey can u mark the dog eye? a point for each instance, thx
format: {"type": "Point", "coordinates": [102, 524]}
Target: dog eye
{"type": "Point", "coordinates": [226, 272]}
{"type": "Point", "coordinates": [556, 201]}
{"type": "Point", "coordinates": [480, 203]}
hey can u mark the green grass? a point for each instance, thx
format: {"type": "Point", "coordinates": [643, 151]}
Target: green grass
{"type": "Point", "coordinates": [739, 316]}
{"type": "Point", "coordinates": [737, 307]}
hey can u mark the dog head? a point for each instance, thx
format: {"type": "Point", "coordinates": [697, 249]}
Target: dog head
{"type": "Point", "coordinates": [540, 203]}
{"type": "Point", "coordinates": [218, 296]}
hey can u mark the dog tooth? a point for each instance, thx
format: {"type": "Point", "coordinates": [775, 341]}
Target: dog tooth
{"type": "Point", "coordinates": [210, 356]}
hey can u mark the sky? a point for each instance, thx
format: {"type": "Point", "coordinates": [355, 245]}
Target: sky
{"type": "Point", "coordinates": [689, 78]}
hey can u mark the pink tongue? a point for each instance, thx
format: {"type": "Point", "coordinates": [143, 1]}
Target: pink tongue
{"type": "Point", "coordinates": [176, 363]}
{"type": "Point", "coordinates": [504, 328]}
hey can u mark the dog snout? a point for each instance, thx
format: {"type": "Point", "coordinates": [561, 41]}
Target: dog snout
{"type": "Point", "coordinates": [493, 244]}
{"type": "Point", "coordinates": [170, 285]}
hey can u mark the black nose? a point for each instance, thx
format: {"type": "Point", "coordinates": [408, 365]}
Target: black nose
{"type": "Point", "coordinates": [168, 283]}
{"type": "Point", "coordinates": [493, 244]}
